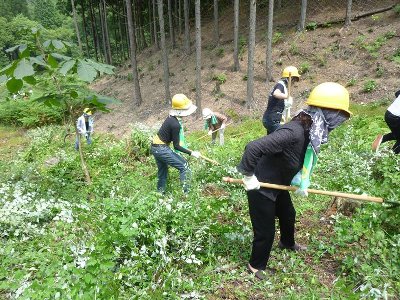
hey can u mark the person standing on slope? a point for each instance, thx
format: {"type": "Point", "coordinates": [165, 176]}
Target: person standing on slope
{"type": "Point", "coordinates": [276, 158]}
{"type": "Point", "coordinates": [84, 127]}
{"type": "Point", "coordinates": [214, 122]}
{"type": "Point", "coordinates": [392, 119]}
{"type": "Point", "coordinates": [171, 131]}
{"type": "Point", "coordinates": [279, 100]}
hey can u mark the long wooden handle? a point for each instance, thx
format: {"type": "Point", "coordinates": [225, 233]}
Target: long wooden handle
{"type": "Point", "coordinates": [202, 137]}
{"type": "Point", "coordinates": [313, 191]}
{"type": "Point", "coordinates": [287, 116]}
{"type": "Point", "coordinates": [208, 159]}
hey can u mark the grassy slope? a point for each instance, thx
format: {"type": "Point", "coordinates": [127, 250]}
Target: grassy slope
{"type": "Point", "coordinates": [135, 243]}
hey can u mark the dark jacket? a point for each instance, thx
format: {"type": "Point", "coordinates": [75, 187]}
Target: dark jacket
{"type": "Point", "coordinates": [277, 157]}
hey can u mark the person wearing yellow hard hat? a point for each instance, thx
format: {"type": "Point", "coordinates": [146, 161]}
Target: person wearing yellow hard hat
{"type": "Point", "coordinates": [214, 123]}
{"type": "Point", "coordinates": [84, 126]}
{"type": "Point", "coordinates": [277, 158]}
{"type": "Point", "coordinates": [392, 119]}
{"type": "Point", "coordinates": [279, 100]}
{"type": "Point", "coordinates": [171, 131]}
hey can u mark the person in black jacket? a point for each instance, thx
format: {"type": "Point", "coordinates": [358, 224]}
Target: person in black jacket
{"type": "Point", "coordinates": [277, 158]}
{"type": "Point", "coordinates": [172, 131]}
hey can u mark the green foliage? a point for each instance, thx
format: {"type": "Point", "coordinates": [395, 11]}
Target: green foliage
{"type": "Point", "coordinates": [294, 49]}
{"type": "Point", "coordinates": [311, 25]}
{"type": "Point", "coordinates": [396, 56]}
{"type": "Point", "coordinates": [397, 9]}
{"type": "Point", "coordinates": [220, 52]}
{"type": "Point", "coordinates": [45, 13]}
{"type": "Point", "coordinates": [304, 67]}
{"type": "Point", "coordinates": [221, 78]}
{"type": "Point", "coordinates": [379, 71]}
{"type": "Point", "coordinates": [242, 46]}
{"type": "Point", "coordinates": [374, 46]}
{"type": "Point", "coordinates": [277, 37]}
{"type": "Point", "coordinates": [369, 86]}
{"type": "Point", "coordinates": [11, 8]}
{"type": "Point", "coordinates": [351, 82]}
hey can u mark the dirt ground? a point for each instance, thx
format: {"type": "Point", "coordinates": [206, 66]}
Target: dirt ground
{"type": "Point", "coordinates": [324, 54]}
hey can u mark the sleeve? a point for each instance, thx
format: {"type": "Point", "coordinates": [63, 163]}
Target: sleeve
{"type": "Point", "coordinates": [221, 117]}
{"type": "Point", "coordinates": [79, 126]}
{"type": "Point", "coordinates": [175, 139]}
{"type": "Point", "coordinates": [279, 86]}
{"type": "Point", "coordinates": [268, 145]}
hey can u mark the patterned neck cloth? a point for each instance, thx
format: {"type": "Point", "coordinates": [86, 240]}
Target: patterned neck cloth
{"type": "Point", "coordinates": [182, 140]}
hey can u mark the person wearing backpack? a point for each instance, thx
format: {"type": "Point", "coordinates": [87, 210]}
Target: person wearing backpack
{"type": "Point", "coordinates": [279, 99]}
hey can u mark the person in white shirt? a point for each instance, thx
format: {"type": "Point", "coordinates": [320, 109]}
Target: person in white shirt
{"type": "Point", "coordinates": [392, 119]}
{"type": "Point", "coordinates": [84, 126]}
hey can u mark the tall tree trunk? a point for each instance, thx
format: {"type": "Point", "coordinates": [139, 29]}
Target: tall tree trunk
{"type": "Point", "coordinates": [85, 28]}
{"type": "Point", "coordinates": [117, 38]}
{"type": "Point", "coordinates": [171, 25]}
{"type": "Point", "coordinates": [141, 23]}
{"type": "Point", "coordinates": [250, 63]}
{"type": "Point", "coordinates": [108, 44]}
{"type": "Point", "coordinates": [76, 27]}
{"type": "Point", "coordinates": [180, 16]}
{"type": "Point", "coordinates": [164, 51]}
{"type": "Point", "coordinates": [127, 32]}
{"type": "Point", "coordinates": [121, 30]}
{"type": "Point", "coordinates": [303, 12]}
{"type": "Point", "coordinates": [94, 30]}
{"type": "Point", "coordinates": [348, 13]}
{"type": "Point", "coordinates": [187, 35]}
{"type": "Point", "coordinates": [198, 56]}
{"type": "Point", "coordinates": [103, 34]}
{"type": "Point", "coordinates": [236, 66]}
{"type": "Point", "coordinates": [269, 41]}
{"type": "Point", "coordinates": [155, 25]}
{"type": "Point", "coordinates": [216, 28]}
{"type": "Point", "coordinates": [137, 97]}
{"type": "Point", "coordinates": [151, 28]}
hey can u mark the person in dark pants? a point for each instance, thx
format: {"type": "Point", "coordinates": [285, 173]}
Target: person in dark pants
{"type": "Point", "coordinates": [276, 158]}
{"type": "Point", "coordinates": [279, 99]}
{"type": "Point", "coordinates": [172, 131]}
{"type": "Point", "coordinates": [392, 119]}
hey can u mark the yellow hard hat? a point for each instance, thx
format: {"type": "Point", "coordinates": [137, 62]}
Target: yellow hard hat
{"type": "Point", "coordinates": [330, 95]}
{"type": "Point", "coordinates": [290, 71]}
{"type": "Point", "coordinates": [87, 111]}
{"type": "Point", "coordinates": [180, 101]}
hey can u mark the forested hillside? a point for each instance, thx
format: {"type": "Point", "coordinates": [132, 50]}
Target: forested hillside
{"type": "Point", "coordinates": [89, 224]}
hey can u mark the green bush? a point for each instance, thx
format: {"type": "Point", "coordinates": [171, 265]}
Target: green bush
{"type": "Point", "coordinates": [278, 36]}
{"type": "Point", "coordinates": [221, 78]}
{"type": "Point", "coordinates": [304, 68]}
{"type": "Point", "coordinates": [220, 52]}
{"type": "Point", "coordinates": [369, 86]}
{"type": "Point", "coordinates": [312, 25]}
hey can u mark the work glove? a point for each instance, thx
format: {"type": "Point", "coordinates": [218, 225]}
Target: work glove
{"type": "Point", "coordinates": [86, 135]}
{"type": "Point", "coordinates": [251, 183]}
{"type": "Point", "coordinates": [209, 132]}
{"type": "Point", "coordinates": [195, 154]}
{"type": "Point", "coordinates": [301, 192]}
{"type": "Point", "coordinates": [289, 102]}
{"type": "Point", "coordinates": [223, 126]}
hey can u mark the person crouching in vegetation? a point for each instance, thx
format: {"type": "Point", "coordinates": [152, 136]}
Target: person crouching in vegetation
{"type": "Point", "coordinates": [84, 126]}
{"type": "Point", "coordinates": [214, 122]}
{"type": "Point", "coordinates": [392, 119]}
{"type": "Point", "coordinates": [279, 99]}
{"type": "Point", "coordinates": [172, 131]}
{"type": "Point", "coordinates": [276, 158]}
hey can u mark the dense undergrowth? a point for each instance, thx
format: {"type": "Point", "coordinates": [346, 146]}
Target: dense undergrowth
{"type": "Point", "coordinates": [118, 238]}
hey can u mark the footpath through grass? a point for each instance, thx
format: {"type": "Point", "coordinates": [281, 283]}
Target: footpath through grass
{"type": "Point", "coordinates": [131, 243]}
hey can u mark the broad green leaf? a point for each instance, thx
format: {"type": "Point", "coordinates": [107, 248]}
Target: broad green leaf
{"type": "Point", "coordinates": [12, 49]}
{"type": "Point", "coordinates": [38, 60]}
{"type": "Point", "coordinates": [23, 69]}
{"type": "Point", "coordinates": [74, 94]}
{"type": "Point", "coordinates": [47, 43]}
{"type": "Point", "coordinates": [14, 85]}
{"type": "Point", "coordinates": [102, 68]}
{"type": "Point", "coordinates": [60, 56]}
{"type": "Point", "coordinates": [9, 70]}
{"type": "Point", "coordinates": [86, 72]}
{"type": "Point", "coordinates": [30, 79]}
{"type": "Point", "coordinates": [67, 66]}
{"type": "Point", "coordinates": [52, 61]}
{"type": "Point", "coordinates": [57, 44]}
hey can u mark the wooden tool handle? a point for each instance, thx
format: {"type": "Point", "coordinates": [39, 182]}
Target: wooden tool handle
{"type": "Point", "coordinates": [312, 191]}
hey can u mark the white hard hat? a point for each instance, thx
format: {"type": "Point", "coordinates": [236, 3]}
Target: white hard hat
{"type": "Point", "coordinates": [207, 113]}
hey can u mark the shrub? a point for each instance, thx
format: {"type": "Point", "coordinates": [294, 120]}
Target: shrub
{"type": "Point", "coordinates": [397, 9]}
{"type": "Point", "coordinates": [294, 50]}
{"type": "Point", "coordinates": [220, 52]}
{"type": "Point", "coordinates": [312, 25]}
{"type": "Point", "coordinates": [277, 37]}
{"type": "Point", "coordinates": [351, 82]}
{"type": "Point", "coordinates": [304, 68]}
{"type": "Point", "coordinates": [369, 86]}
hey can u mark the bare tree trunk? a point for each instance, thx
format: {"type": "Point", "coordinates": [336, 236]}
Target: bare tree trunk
{"type": "Point", "coordinates": [141, 24]}
{"type": "Point", "coordinates": [303, 15]}
{"type": "Point", "coordinates": [106, 33]}
{"type": "Point", "coordinates": [348, 13]}
{"type": "Point", "coordinates": [216, 28]}
{"type": "Point", "coordinates": [155, 25]}
{"type": "Point", "coordinates": [198, 56]}
{"type": "Point", "coordinates": [164, 51]}
{"type": "Point", "coordinates": [187, 35]}
{"type": "Point", "coordinates": [103, 34]}
{"type": "Point", "coordinates": [127, 31]}
{"type": "Point", "coordinates": [250, 63]}
{"type": "Point", "coordinates": [269, 41]}
{"type": "Point", "coordinates": [94, 30]}
{"type": "Point", "coordinates": [236, 66]}
{"type": "Point", "coordinates": [180, 16]}
{"type": "Point", "coordinates": [121, 30]}
{"type": "Point", "coordinates": [151, 28]}
{"type": "Point", "coordinates": [85, 28]}
{"type": "Point", "coordinates": [279, 4]}
{"type": "Point", "coordinates": [76, 27]}
{"type": "Point", "coordinates": [137, 97]}
{"type": "Point", "coordinates": [171, 25]}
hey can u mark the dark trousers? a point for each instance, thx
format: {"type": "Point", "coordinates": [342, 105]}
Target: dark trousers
{"type": "Point", "coordinates": [262, 214]}
{"type": "Point", "coordinates": [271, 123]}
{"type": "Point", "coordinates": [393, 123]}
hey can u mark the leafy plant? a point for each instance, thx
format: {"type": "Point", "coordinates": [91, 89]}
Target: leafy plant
{"type": "Point", "coordinates": [397, 8]}
{"type": "Point", "coordinates": [242, 46]}
{"type": "Point", "coordinates": [294, 49]}
{"type": "Point", "coordinates": [219, 79]}
{"type": "Point", "coordinates": [220, 52]}
{"type": "Point", "coordinates": [277, 37]}
{"type": "Point", "coordinates": [311, 25]}
{"type": "Point", "coordinates": [351, 82]}
{"type": "Point", "coordinates": [369, 86]}
{"type": "Point", "coordinates": [304, 67]}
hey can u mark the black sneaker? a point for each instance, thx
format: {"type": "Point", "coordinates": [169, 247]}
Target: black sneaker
{"type": "Point", "coordinates": [295, 247]}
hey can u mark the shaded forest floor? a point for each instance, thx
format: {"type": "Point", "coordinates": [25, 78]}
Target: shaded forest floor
{"type": "Point", "coordinates": [359, 57]}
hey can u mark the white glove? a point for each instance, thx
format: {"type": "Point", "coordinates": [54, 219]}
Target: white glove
{"type": "Point", "coordinates": [209, 132]}
{"type": "Point", "coordinates": [301, 192]}
{"type": "Point", "coordinates": [289, 102]}
{"type": "Point", "coordinates": [223, 126]}
{"type": "Point", "coordinates": [86, 135]}
{"type": "Point", "coordinates": [195, 154]}
{"type": "Point", "coordinates": [251, 183]}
